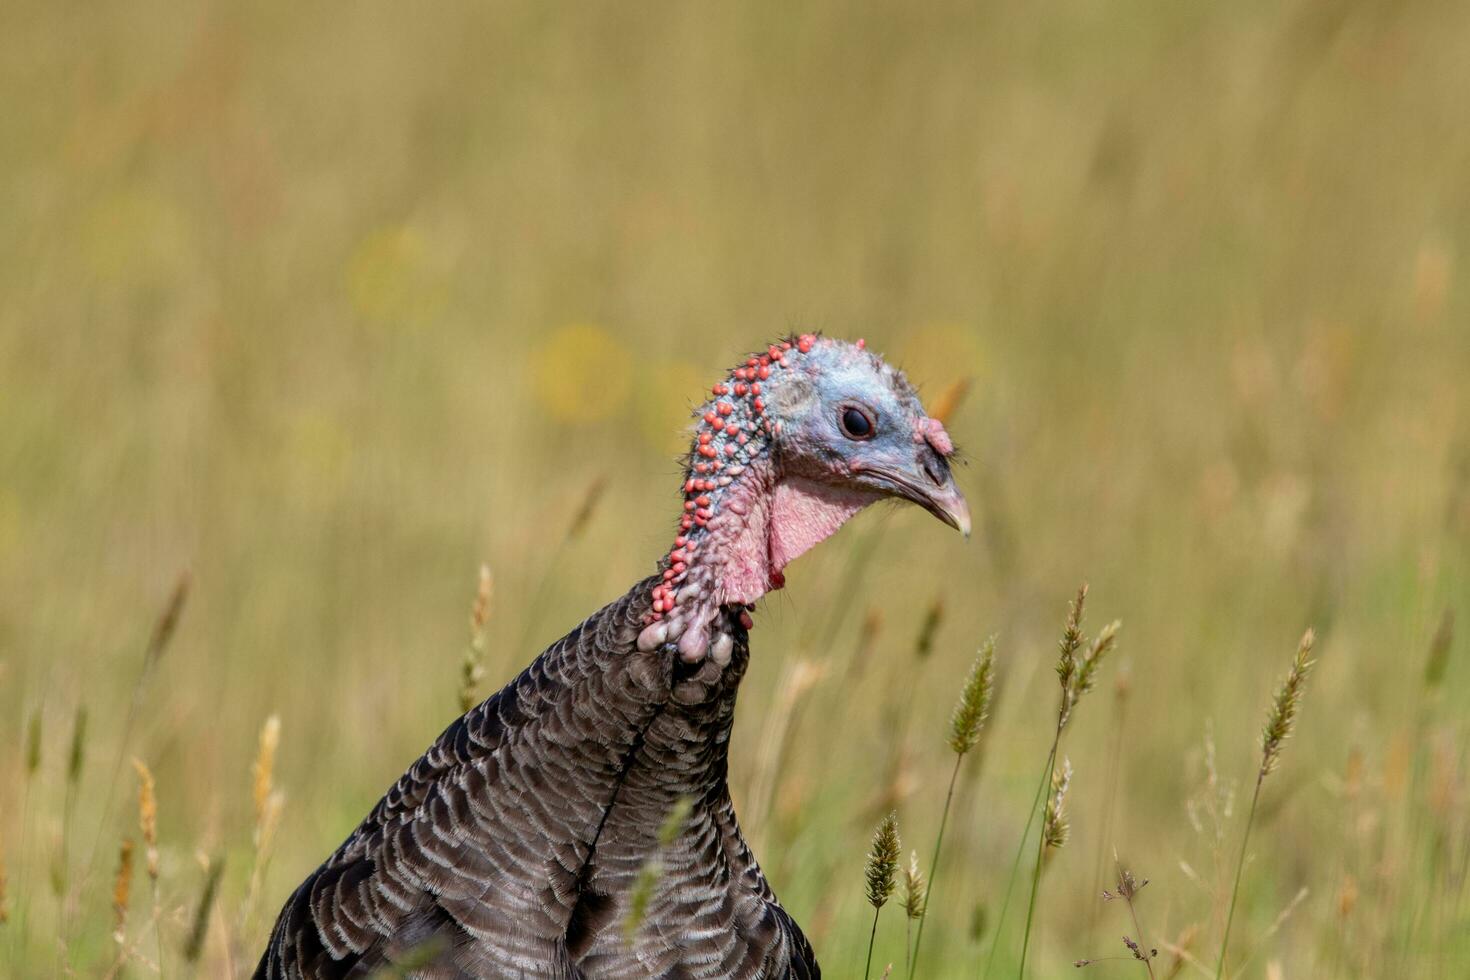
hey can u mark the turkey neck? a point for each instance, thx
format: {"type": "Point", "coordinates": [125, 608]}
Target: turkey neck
{"type": "Point", "coordinates": [734, 543]}
{"type": "Point", "coordinates": [720, 558]}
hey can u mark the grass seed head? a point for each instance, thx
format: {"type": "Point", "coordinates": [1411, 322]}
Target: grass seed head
{"type": "Point", "coordinates": [675, 820]}
{"type": "Point", "coordinates": [1281, 719]}
{"type": "Point", "coordinates": [480, 610]}
{"type": "Point", "coordinates": [1097, 651]}
{"type": "Point", "coordinates": [1071, 640]}
{"type": "Point", "coordinates": [147, 817]}
{"type": "Point", "coordinates": [121, 888]}
{"type": "Point", "coordinates": [949, 400]}
{"type": "Point", "coordinates": [867, 642]}
{"type": "Point", "coordinates": [640, 896]}
{"type": "Point", "coordinates": [883, 862]}
{"type": "Point", "coordinates": [1439, 651]}
{"type": "Point", "coordinates": [33, 744]}
{"type": "Point", "coordinates": [263, 768]}
{"type": "Point", "coordinates": [974, 704]}
{"type": "Point", "coordinates": [1054, 828]}
{"type": "Point", "coordinates": [78, 754]}
{"type": "Point", "coordinates": [268, 800]}
{"type": "Point", "coordinates": [649, 874]}
{"type": "Point", "coordinates": [915, 889]}
{"type": "Point", "coordinates": [200, 928]}
{"type": "Point", "coordinates": [1347, 896]}
{"type": "Point", "coordinates": [472, 670]}
{"type": "Point", "coordinates": [167, 623]}
{"type": "Point", "coordinates": [588, 507]}
{"type": "Point", "coordinates": [933, 617]}
{"type": "Point", "coordinates": [1137, 951]}
{"type": "Point", "coordinates": [1127, 887]}
{"type": "Point", "coordinates": [1077, 667]}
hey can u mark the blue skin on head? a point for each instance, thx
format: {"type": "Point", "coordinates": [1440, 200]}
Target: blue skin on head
{"type": "Point", "coordinates": [794, 442]}
{"type": "Point", "coordinates": [894, 450]}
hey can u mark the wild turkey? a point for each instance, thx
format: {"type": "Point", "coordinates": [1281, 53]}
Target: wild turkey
{"type": "Point", "coordinates": [511, 848]}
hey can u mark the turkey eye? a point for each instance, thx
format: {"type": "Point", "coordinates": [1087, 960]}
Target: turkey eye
{"type": "Point", "coordinates": [855, 423]}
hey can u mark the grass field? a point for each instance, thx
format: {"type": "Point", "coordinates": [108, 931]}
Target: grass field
{"type": "Point", "coordinates": [325, 306]}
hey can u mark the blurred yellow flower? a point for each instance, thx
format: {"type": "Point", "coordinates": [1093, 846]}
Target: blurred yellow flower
{"type": "Point", "coordinates": [582, 373]}
{"type": "Point", "coordinates": [390, 278]}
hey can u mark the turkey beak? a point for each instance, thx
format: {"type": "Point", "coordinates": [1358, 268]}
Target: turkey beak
{"type": "Point", "coordinates": [931, 486]}
{"type": "Point", "coordinates": [949, 505]}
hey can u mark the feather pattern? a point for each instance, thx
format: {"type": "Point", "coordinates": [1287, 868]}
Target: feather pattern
{"type": "Point", "coordinates": [510, 849]}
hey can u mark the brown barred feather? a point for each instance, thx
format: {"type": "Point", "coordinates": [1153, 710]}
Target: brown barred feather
{"type": "Point", "coordinates": [510, 849]}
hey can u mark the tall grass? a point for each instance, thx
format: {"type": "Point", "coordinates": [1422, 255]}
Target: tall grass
{"type": "Point", "coordinates": [1076, 669]}
{"type": "Point", "coordinates": [970, 713]}
{"type": "Point", "coordinates": [329, 311]}
{"type": "Point", "coordinates": [1280, 721]}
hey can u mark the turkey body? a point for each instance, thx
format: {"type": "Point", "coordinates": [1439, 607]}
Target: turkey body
{"type": "Point", "coordinates": [511, 848]}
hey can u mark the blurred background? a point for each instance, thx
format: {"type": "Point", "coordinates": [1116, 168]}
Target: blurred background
{"type": "Point", "coordinates": [324, 308]}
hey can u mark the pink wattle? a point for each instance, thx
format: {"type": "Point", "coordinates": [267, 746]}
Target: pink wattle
{"type": "Point", "coordinates": [805, 513]}
{"type": "Point", "coordinates": [776, 525]}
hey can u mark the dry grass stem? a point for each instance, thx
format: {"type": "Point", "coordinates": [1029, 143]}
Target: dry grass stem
{"type": "Point", "coordinates": [950, 400]}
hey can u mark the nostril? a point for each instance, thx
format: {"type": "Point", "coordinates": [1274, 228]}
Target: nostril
{"type": "Point", "coordinates": [935, 470]}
